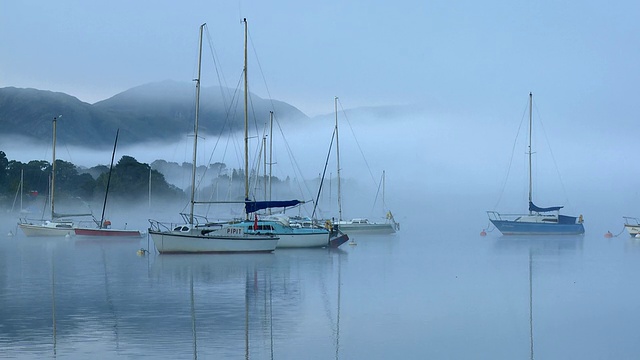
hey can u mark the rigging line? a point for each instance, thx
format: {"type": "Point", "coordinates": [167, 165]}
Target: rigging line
{"type": "Point", "coordinates": [555, 164]}
{"type": "Point", "coordinates": [264, 80]}
{"type": "Point", "coordinates": [202, 176]}
{"type": "Point", "coordinates": [513, 150]}
{"type": "Point", "coordinates": [220, 76]}
{"type": "Point", "coordinates": [357, 142]}
{"type": "Point", "coordinates": [324, 172]}
{"type": "Point", "coordinates": [297, 169]}
{"type": "Point", "coordinates": [256, 173]}
{"type": "Point", "coordinates": [226, 124]}
{"type": "Point", "coordinates": [375, 199]}
{"type": "Point", "coordinates": [289, 152]}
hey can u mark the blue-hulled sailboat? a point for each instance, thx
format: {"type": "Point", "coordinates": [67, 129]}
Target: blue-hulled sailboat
{"type": "Point", "coordinates": [539, 220]}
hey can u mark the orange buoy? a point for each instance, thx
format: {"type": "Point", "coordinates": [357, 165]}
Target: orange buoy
{"type": "Point", "coordinates": [483, 233]}
{"type": "Point", "coordinates": [608, 235]}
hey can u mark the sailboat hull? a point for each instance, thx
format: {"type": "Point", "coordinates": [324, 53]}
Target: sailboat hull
{"type": "Point", "coordinates": [365, 228]}
{"type": "Point", "coordinates": [290, 237]}
{"type": "Point", "coordinates": [633, 230]}
{"type": "Point", "coordinates": [49, 229]}
{"type": "Point", "coordinates": [107, 232]}
{"type": "Point", "coordinates": [192, 243]}
{"type": "Point", "coordinates": [303, 240]}
{"type": "Point", "coordinates": [510, 227]}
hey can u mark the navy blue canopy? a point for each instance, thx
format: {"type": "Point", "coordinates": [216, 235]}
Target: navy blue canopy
{"type": "Point", "coordinates": [253, 206]}
{"type": "Point", "coordinates": [533, 207]}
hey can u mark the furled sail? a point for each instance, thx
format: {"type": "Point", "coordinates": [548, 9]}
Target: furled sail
{"type": "Point", "coordinates": [533, 207]}
{"type": "Point", "coordinates": [253, 206]}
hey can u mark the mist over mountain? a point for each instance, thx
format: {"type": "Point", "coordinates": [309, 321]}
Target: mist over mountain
{"type": "Point", "coordinates": [161, 111]}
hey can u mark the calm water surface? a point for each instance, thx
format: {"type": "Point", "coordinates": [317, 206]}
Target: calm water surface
{"type": "Point", "coordinates": [418, 294]}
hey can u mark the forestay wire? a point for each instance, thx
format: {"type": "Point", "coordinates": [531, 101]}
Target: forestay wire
{"type": "Point", "coordinates": [357, 143]}
{"type": "Point", "coordinates": [324, 172]}
{"type": "Point", "coordinates": [513, 150]}
{"type": "Point", "coordinates": [555, 164]}
{"type": "Point", "coordinates": [293, 160]}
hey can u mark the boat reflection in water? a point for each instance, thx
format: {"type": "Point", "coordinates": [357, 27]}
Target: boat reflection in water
{"type": "Point", "coordinates": [69, 300]}
{"type": "Point", "coordinates": [250, 304]}
{"type": "Point", "coordinates": [545, 255]}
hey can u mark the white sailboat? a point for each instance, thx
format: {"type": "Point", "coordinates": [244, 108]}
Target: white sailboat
{"type": "Point", "coordinates": [194, 237]}
{"type": "Point", "coordinates": [280, 225]}
{"type": "Point", "coordinates": [59, 224]}
{"type": "Point", "coordinates": [632, 225]}
{"type": "Point", "coordinates": [359, 225]}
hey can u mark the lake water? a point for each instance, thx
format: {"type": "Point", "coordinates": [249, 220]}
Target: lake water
{"type": "Point", "coordinates": [423, 293]}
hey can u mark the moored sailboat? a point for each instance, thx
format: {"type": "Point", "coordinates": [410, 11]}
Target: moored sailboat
{"type": "Point", "coordinates": [277, 225]}
{"type": "Point", "coordinates": [539, 220]}
{"type": "Point", "coordinates": [59, 224]}
{"type": "Point", "coordinates": [195, 237]}
{"type": "Point", "coordinates": [104, 228]}
{"type": "Point", "coordinates": [359, 225]}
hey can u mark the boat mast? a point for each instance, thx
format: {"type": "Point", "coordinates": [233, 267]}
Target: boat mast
{"type": "Point", "coordinates": [335, 100]}
{"type": "Point", "coordinates": [106, 193]}
{"type": "Point", "coordinates": [530, 118]}
{"type": "Point", "coordinates": [264, 151]}
{"type": "Point", "coordinates": [384, 207]}
{"type": "Point", "coordinates": [270, 153]}
{"type": "Point", "coordinates": [53, 168]}
{"type": "Point", "coordinates": [195, 127]}
{"type": "Point", "coordinates": [246, 120]}
{"type": "Point", "coordinates": [21, 187]}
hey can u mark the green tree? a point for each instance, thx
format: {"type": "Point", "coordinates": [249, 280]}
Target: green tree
{"type": "Point", "coordinates": [4, 165]}
{"type": "Point", "coordinates": [130, 181]}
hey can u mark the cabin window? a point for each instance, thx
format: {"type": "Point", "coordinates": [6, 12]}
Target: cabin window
{"type": "Point", "coordinates": [260, 228]}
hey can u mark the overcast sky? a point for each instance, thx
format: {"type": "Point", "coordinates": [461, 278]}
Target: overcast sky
{"type": "Point", "coordinates": [472, 56]}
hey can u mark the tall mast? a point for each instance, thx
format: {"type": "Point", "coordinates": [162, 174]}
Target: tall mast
{"type": "Point", "coordinates": [195, 127]}
{"type": "Point", "coordinates": [270, 152]}
{"type": "Point", "coordinates": [530, 118]}
{"type": "Point", "coordinates": [264, 151]}
{"type": "Point", "coordinates": [106, 193]}
{"type": "Point", "coordinates": [53, 169]}
{"type": "Point", "coordinates": [335, 100]}
{"type": "Point", "coordinates": [383, 186]}
{"type": "Point", "coordinates": [246, 119]}
{"type": "Point", "coordinates": [21, 187]}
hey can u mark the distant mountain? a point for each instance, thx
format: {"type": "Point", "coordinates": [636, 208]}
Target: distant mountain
{"type": "Point", "coordinates": [156, 111]}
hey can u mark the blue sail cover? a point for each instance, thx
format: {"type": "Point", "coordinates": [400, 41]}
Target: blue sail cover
{"type": "Point", "coordinates": [533, 207]}
{"type": "Point", "coordinates": [253, 206]}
